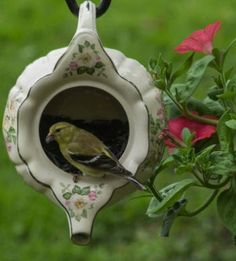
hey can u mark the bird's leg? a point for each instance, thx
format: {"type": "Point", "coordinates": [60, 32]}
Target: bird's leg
{"type": "Point", "coordinates": [77, 175]}
{"type": "Point", "coordinates": [76, 178]}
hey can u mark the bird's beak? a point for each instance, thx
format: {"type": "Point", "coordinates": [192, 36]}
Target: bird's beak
{"type": "Point", "coordinates": [50, 137]}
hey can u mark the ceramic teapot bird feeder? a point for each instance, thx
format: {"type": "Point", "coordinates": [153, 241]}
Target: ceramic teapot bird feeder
{"type": "Point", "coordinates": [96, 89]}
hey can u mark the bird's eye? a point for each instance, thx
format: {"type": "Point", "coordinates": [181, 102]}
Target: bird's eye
{"type": "Point", "coordinates": [58, 130]}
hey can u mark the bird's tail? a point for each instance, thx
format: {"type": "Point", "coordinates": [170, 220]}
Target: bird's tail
{"type": "Point", "coordinates": [136, 182]}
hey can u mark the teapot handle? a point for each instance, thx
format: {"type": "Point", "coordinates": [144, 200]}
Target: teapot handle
{"type": "Point", "coordinates": [87, 17]}
{"type": "Point", "coordinates": [100, 10]}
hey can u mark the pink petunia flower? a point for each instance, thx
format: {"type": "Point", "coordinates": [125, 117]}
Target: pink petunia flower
{"type": "Point", "coordinates": [201, 131]}
{"type": "Point", "coordinates": [200, 41]}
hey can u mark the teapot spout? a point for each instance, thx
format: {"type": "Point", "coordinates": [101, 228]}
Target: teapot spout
{"type": "Point", "coordinates": [80, 232]}
{"type": "Point", "coordinates": [80, 239]}
{"type": "Point", "coordinates": [81, 201]}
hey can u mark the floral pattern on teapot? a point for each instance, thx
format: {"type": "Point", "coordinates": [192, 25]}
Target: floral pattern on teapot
{"type": "Point", "coordinates": [88, 195]}
{"type": "Point", "coordinates": [86, 61]}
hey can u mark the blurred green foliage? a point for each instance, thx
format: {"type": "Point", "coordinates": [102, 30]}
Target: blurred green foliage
{"type": "Point", "coordinates": [31, 227]}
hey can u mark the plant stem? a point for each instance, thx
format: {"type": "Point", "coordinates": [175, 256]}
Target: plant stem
{"type": "Point", "coordinates": [201, 208]}
{"type": "Point", "coordinates": [179, 106]}
{"type": "Point", "coordinates": [197, 176]}
{"type": "Point", "coordinates": [155, 193]}
{"type": "Point", "coordinates": [175, 140]}
{"type": "Point", "coordinates": [220, 185]}
{"type": "Point", "coordinates": [189, 114]}
{"type": "Point", "coordinates": [198, 118]}
{"type": "Point", "coordinates": [142, 196]}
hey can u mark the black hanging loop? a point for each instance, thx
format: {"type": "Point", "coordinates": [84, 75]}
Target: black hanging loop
{"type": "Point", "coordinates": [100, 10]}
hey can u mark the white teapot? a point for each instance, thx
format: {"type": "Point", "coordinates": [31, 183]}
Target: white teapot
{"type": "Point", "coordinates": [100, 90]}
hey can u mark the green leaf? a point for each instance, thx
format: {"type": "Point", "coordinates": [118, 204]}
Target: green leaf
{"type": "Point", "coordinates": [169, 69]}
{"type": "Point", "coordinates": [160, 84]}
{"type": "Point", "coordinates": [67, 195]}
{"type": "Point", "coordinates": [231, 124]}
{"type": "Point", "coordinates": [14, 139]}
{"type": "Point", "coordinates": [165, 164]}
{"type": "Point", "coordinates": [193, 104]}
{"type": "Point", "coordinates": [218, 82]}
{"type": "Point", "coordinates": [91, 206]}
{"type": "Point", "coordinates": [194, 76]}
{"type": "Point", "coordinates": [84, 213]}
{"type": "Point", "coordinates": [225, 53]}
{"type": "Point", "coordinates": [226, 206]}
{"type": "Point", "coordinates": [12, 131]}
{"type": "Point", "coordinates": [161, 61]}
{"type": "Point", "coordinates": [171, 215]}
{"type": "Point", "coordinates": [214, 93]}
{"type": "Point", "coordinates": [184, 155]}
{"type": "Point", "coordinates": [99, 65]}
{"type": "Point", "coordinates": [87, 44]}
{"type": "Point", "coordinates": [152, 65]}
{"type": "Point", "coordinates": [196, 105]}
{"type": "Point", "coordinates": [229, 73]}
{"type": "Point", "coordinates": [78, 218]}
{"type": "Point", "coordinates": [71, 213]}
{"type": "Point", "coordinates": [85, 191]}
{"type": "Point", "coordinates": [81, 48]}
{"type": "Point", "coordinates": [228, 98]}
{"type": "Point", "coordinates": [167, 100]}
{"type": "Point", "coordinates": [90, 71]}
{"type": "Point", "coordinates": [218, 54]}
{"type": "Point", "coordinates": [187, 136]}
{"type": "Point", "coordinates": [224, 133]}
{"type": "Point", "coordinates": [184, 67]}
{"type": "Point", "coordinates": [183, 168]}
{"type": "Point", "coordinates": [203, 162]}
{"type": "Point", "coordinates": [205, 153]}
{"type": "Point", "coordinates": [170, 194]}
{"type": "Point", "coordinates": [76, 190]}
{"type": "Point", "coordinates": [81, 70]}
{"type": "Point", "coordinates": [222, 163]}
{"type": "Point", "coordinates": [226, 95]}
{"type": "Point", "coordinates": [214, 106]}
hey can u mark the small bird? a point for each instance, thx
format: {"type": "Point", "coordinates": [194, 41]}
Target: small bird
{"type": "Point", "coordinates": [87, 153]}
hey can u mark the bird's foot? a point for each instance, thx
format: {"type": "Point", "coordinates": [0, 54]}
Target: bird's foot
{"type": "Point", "coordinates": [76, 178]}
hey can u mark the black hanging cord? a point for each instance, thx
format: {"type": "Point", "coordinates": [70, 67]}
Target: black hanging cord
{"type": "Point", "coordinates": [101, 9]}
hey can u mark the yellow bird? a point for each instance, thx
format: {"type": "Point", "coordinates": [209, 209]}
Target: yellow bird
{"type": "Point", "coordinates": [87, 153]}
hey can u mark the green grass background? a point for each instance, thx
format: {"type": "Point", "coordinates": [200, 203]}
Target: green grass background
{"type": "Point", "coordinates": [31, 227]}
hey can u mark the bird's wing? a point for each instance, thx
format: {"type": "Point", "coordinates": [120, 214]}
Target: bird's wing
{"type": "Point", "coordinates": [107, 164]}
{"type": "Point", "coordinates": [85, 143]}
{"type": "Point", "coordinates": [101, 162]}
